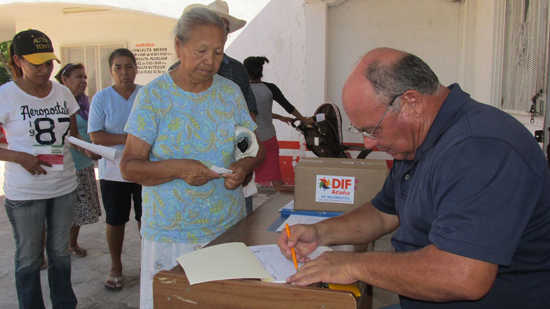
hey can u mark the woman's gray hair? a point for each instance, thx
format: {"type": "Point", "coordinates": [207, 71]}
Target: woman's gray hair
{"type": "Point", "coordinates": [409, 72]}
{"type": "Point", "coordinates": [194, 18]}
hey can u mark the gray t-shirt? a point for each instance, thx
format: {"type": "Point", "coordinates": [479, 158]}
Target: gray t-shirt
{"type": "Point", "coordinates": [265, 94]}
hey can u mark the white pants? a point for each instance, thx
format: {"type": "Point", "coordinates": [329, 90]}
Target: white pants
{"type": "Point", "coordinates": [157, 256]}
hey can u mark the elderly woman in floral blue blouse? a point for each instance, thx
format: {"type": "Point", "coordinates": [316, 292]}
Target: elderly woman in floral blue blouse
{"type": "Point", "coordinates": [183, 123]}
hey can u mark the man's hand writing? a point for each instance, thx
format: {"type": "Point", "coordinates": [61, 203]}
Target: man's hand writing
{"type": "Point", "coordinates": [304, 238]}
{"type": "Point", "coordinates": [330, 267]}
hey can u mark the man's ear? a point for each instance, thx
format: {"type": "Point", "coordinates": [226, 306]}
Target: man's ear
{"type": "Point", "coordinates": [412, 101]}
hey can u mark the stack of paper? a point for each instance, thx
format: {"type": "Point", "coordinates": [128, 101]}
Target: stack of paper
{"type": "Point", "coordinates": [276, 264]}
{"type": "Point", "coordinates": [237, 261]}
{"type": "Point", "coordinates": [225, 261]}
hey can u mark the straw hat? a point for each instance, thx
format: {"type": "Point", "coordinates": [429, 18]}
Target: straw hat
{"type": "Point", "coordinates": [222, 9]}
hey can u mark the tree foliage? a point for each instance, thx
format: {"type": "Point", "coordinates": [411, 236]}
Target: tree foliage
{"type": "Point", "coordinates": [5, 72]}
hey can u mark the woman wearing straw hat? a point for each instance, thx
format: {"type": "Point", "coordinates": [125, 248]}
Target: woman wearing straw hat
{"type": "Point", "coordinates": [40, 177]}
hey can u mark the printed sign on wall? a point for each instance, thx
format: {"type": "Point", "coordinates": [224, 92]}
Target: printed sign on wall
{"type": "Point", "coordinates": [335, 189]}
{"type": "Point", "coordinates": [151, 59]}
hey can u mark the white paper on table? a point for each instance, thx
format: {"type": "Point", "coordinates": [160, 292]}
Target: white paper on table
{"type": "Point", "coordinates": [301, 219]}
{"type": "Point", "coordinates": [108, 153]}
{"type": "Point", "coordinates": [275, 262]}
{"type": "Point", "coordinates": [290, 205]}
{"type": "Point", "coordinates": [222, 262]}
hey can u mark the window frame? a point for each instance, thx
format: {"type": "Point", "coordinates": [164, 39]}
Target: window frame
{"type": "Point", "coordinates": [99, 69]}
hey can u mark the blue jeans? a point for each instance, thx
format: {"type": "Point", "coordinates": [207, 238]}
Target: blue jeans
{"type": "Point", "coordinates": [27, 219]}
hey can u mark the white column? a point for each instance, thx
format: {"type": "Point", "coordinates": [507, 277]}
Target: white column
{"type": "Point", "coordinates": [316, 54]}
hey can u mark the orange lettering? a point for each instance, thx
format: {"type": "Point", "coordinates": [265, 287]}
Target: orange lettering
{"type": "Point", "coordinates": [347, 184]}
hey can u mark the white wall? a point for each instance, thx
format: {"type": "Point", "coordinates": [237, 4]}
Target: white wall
{"type": "Point", "coordinates": [455, 39]}
{"type": "Point", "coordinates": [110, 27]}
{"type": "Point", "coordinates": [153, 24]}
{"type": "Point", "coordinates": [12, 11]}
{"type": "Point", "coordinates": [278, 32]}
{"type": "Point", "coordinates": [275, 28]}
{"type": "Point", "coordinates": [428, 29]}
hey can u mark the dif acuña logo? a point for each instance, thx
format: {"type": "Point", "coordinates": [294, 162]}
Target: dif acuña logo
{"type": "Point", "coordinates": [337, 183]}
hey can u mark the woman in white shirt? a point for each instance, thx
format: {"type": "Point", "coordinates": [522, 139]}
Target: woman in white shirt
{"type": "Point", "coordinates": [39, 178]}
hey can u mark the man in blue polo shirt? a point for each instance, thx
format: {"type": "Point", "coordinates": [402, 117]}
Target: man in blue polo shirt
{"type": "Point", "coordinates": [468, 197]}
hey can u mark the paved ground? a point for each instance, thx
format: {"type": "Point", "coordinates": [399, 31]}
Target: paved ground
{"type": "Point", "coordinates": [89, 273]}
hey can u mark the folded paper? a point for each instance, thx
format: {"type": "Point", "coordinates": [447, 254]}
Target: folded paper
{"type": "Point", "coordinates": [108, 153]}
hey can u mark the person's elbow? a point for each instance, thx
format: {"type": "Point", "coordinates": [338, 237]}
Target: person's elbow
{"type": "Point", "coordinates": [128, 167]}
{"type": "Point", "coordinates": [477, 290]}
{"type": "Point", "coordinates": [456, 278]}
{"type": "Point", "coordinates": [93, 137]}
{"type": "Point", "coordinates": [97, 137]}
{"type": "Point", "coordinates": [125, 170]}
{"type": "Point", "coordinates": [475, 283]}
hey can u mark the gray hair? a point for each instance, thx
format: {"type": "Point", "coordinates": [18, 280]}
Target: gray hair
{"type": "Point", "coordinates": [194, 18]}
{"type": "Point", "coordinates": [409, 72]}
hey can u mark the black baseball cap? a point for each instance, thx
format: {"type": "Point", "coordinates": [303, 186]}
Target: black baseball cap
{"type": "Point", "coordinates": [35, 46]}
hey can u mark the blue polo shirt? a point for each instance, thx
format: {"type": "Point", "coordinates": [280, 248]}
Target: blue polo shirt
{"type": "Point", "coordinates": [479, 187]}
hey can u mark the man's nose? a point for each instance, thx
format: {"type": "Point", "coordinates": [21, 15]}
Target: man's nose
{"type": "Point", "coordinates": [369, 142]}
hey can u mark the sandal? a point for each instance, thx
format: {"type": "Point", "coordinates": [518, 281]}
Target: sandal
{"type": "Point", "coordinates": [79, 252]}
{"type": "Point", "coordinates": [114, 283]}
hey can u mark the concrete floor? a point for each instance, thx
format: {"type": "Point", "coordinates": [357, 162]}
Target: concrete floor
{"type": "Point", "coordinates": [89, 273]}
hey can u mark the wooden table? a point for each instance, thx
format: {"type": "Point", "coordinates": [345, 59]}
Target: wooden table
{"type": "Point", "coordinates": [171, 289]}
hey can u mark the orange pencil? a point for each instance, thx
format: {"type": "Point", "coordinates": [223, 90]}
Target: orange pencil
{"type": "Point", "coordinates": [293, 252]}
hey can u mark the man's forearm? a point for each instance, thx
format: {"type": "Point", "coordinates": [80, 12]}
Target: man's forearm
{"type": "Point", "coordinates": [360, 226]}
{"type": "Point", "coordinates": [427, 274]}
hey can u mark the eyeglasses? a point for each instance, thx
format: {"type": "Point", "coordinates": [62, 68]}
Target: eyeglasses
{"type": "Point", "coordinates": [370, 134]}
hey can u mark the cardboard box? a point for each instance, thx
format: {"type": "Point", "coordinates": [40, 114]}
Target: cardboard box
{"type": "Point", "coordinates": [338, 185]}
